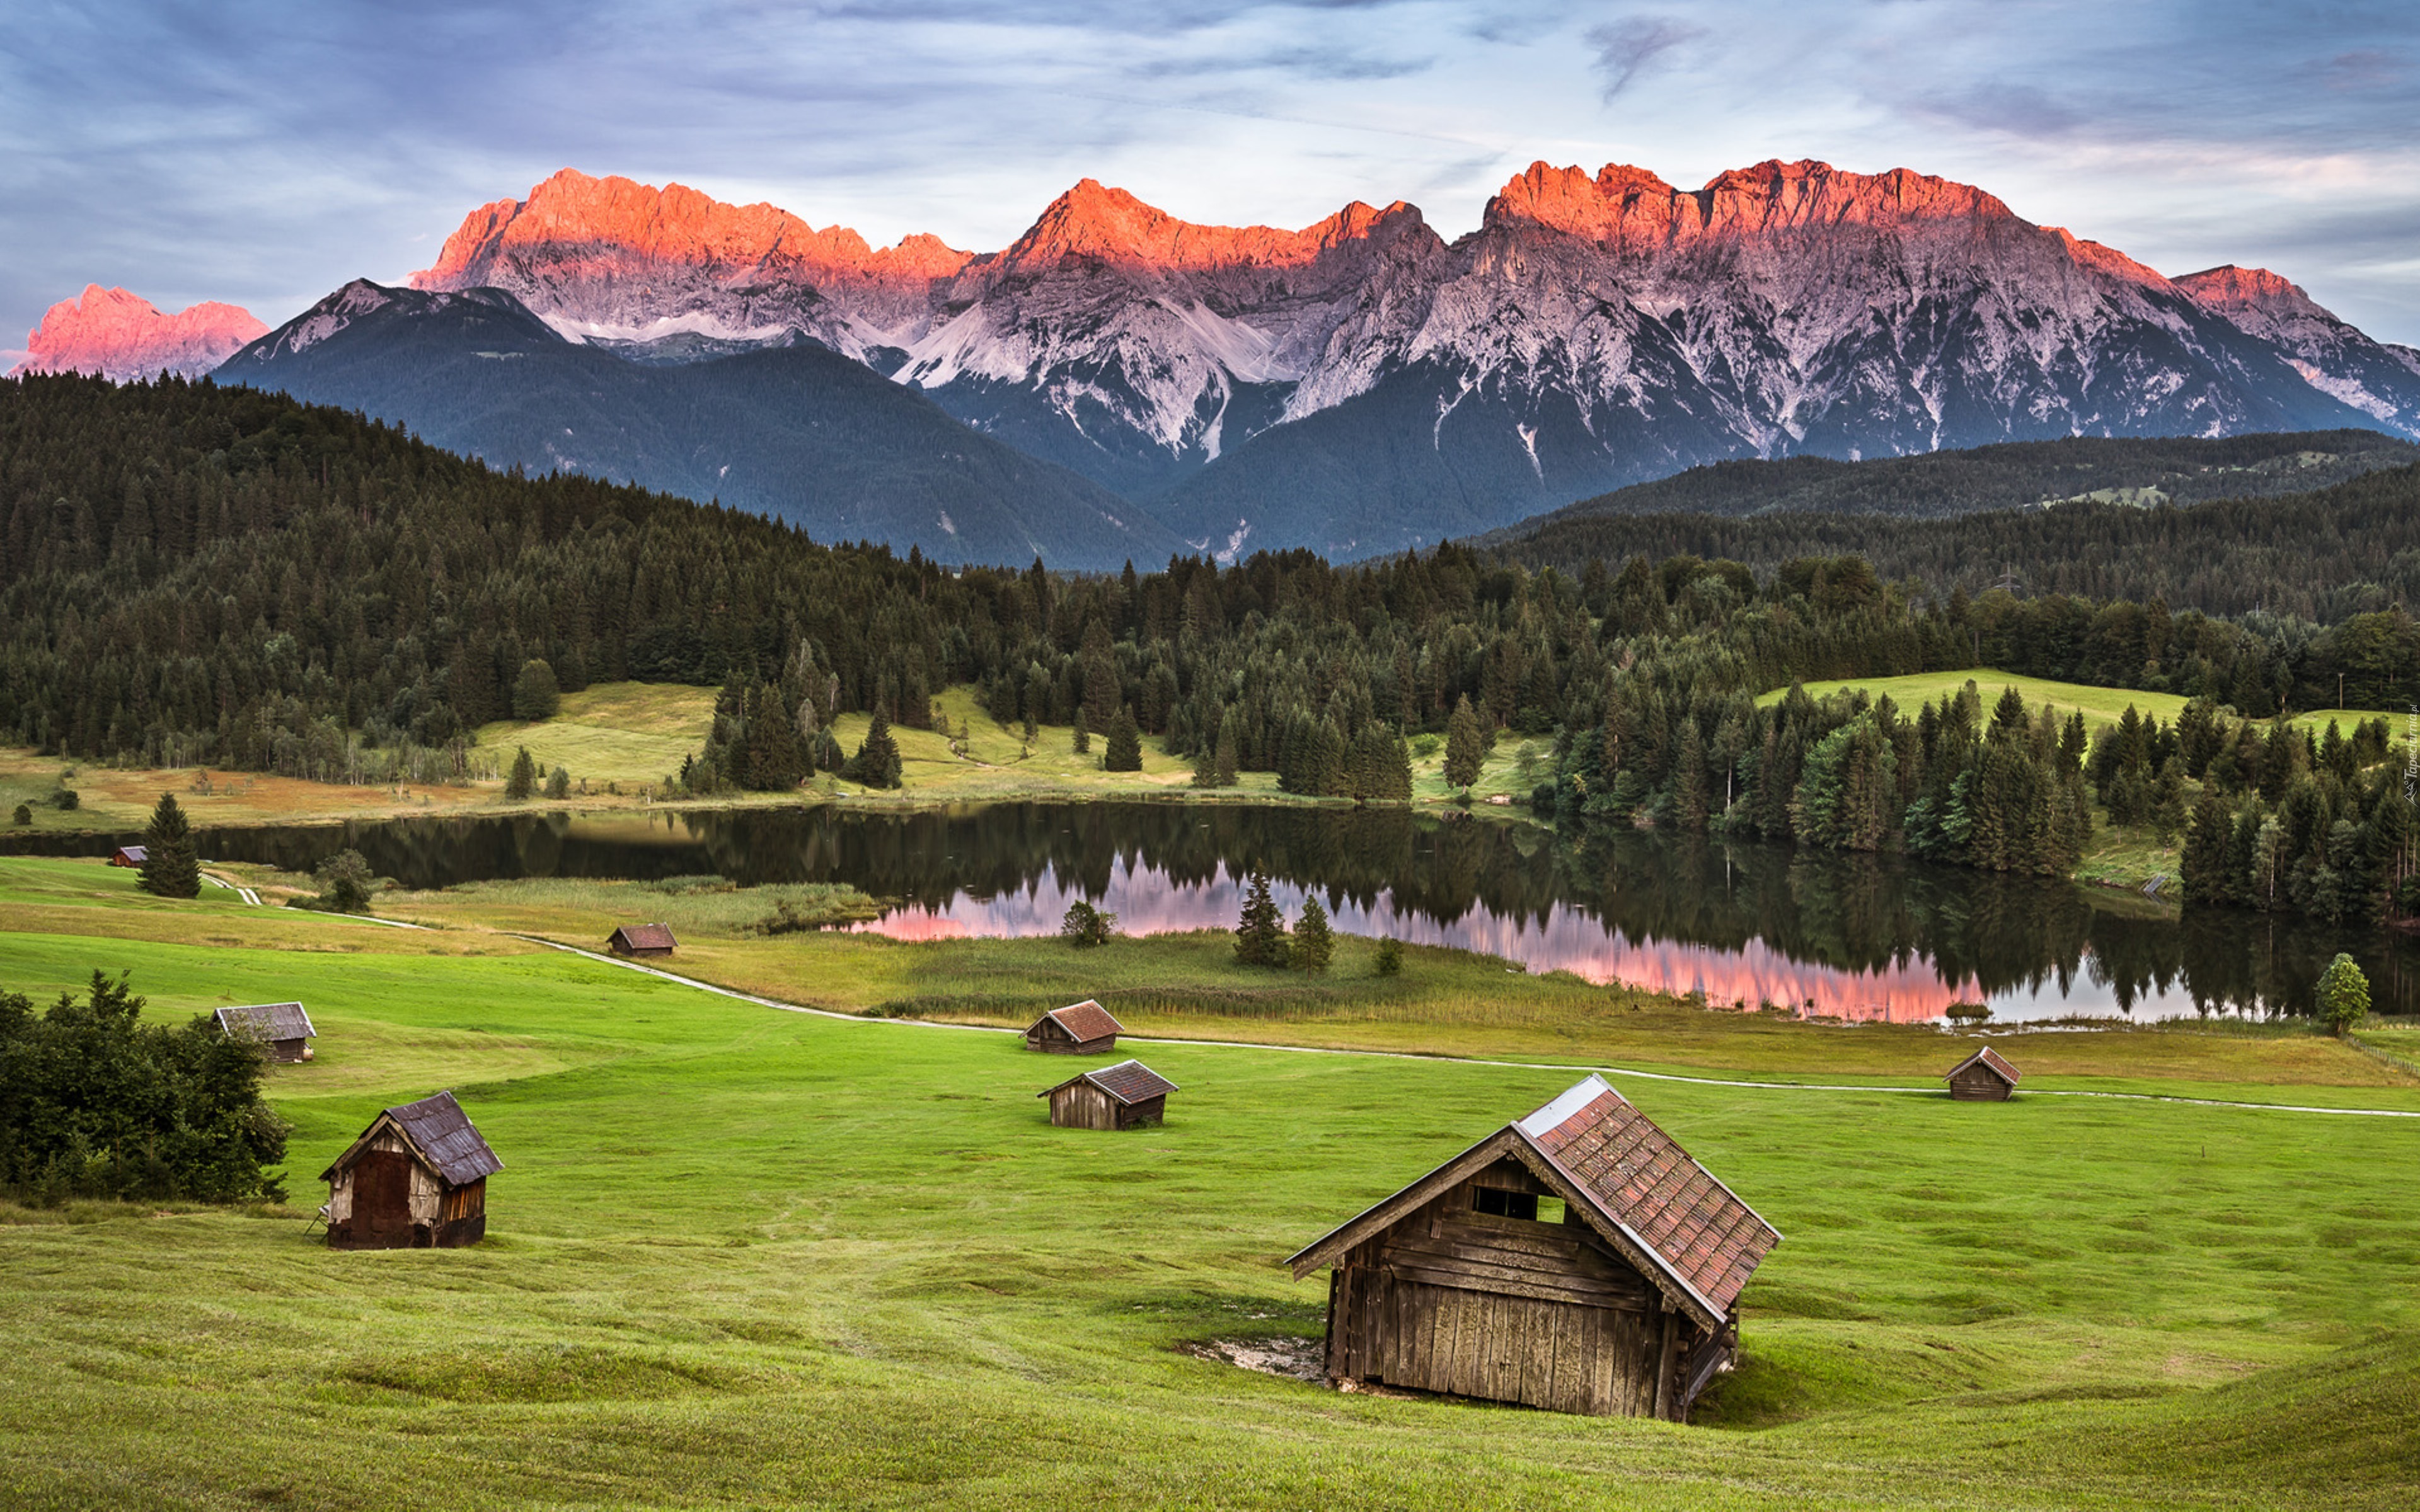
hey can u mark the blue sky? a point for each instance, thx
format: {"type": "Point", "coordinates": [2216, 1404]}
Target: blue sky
{"type": "Point", "coordinates": [264, 153]}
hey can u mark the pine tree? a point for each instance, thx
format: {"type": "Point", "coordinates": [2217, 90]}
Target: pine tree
{"type": "Point", "coordinates": [2167, 806]}
{"type": "Point", "coordinates": [1689, 801]}
{"type": "Point", "coordinates": [1124, 750]}
{"type": "Point", "coordinates": [1314, 943]}
{"type": "Point", "coordinates": [170, 867]}
{"type": "Point", "coordinates": [1082, 744]}
{"type": "Point", "coordinates": [2203, 867]}
{"type": "Point", "coordinates": [1463, 749]}
{"type": "Point", "coordinates": [1205, 757]}
{"type": "Point", "coordinates": [522, 780]}
{"type": "Point", "coordinates": [877, 762]}
{"type": "Point", "coordinates": [1227, 758]}
{"type": "Point", "coordinates": [1260, 934]}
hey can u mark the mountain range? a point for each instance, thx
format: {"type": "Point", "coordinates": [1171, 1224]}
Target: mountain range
{"type": "Point", "coordinates": [1357, 386]}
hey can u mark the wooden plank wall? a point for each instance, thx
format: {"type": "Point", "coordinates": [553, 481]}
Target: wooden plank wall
{"type": "Point", "coordinates": [1453, 1299]}
{"type": "Point", "coordinates": [1083, 1105]}
{"type": "Point", "coordinates": [1976, 1085]}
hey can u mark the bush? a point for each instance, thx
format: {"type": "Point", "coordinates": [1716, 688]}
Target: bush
{"type": "Point", "coordinates": [345, 882]}
{"type": "Point", "coordinates": [1086, 926]}
{"type": "Point", "coordinates": [1967, 1013]}
{"type": "Point", "coordinates": [25, 815]}
{"type": "Point", "coordinates": [558, 783]}
{"type": "Point", "coordinates": [67, 800]}
{"type": "Point", "coordinates": [1425, 745]}
{"type": "Point", "coordinates": [1389, 959]}
{"type": "Point", "coordinates": [100, 1105]}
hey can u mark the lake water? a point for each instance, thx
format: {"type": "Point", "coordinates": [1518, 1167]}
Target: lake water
{"type": "Point", "coordinates": [1857, 937]}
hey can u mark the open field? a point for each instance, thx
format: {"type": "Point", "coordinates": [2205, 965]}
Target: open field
{"type": "Point", "coordinates": [2099, 705]}
{"type": "Point", "coordinates": [749, 1259]}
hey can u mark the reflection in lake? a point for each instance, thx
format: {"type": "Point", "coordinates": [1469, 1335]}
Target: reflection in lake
{"type": "Point", "coordinates": [1857, 936]}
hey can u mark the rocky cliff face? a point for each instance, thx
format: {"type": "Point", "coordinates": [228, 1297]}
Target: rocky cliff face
{"type": "Point", "coordinates": [1361, 385]}
{"type": "Point", "coordinates": [122, 337]}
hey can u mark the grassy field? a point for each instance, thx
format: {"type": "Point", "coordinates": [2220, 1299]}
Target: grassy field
{"type": "Point", "coordinates": [743, 1258]}
{"type": "Point", "coordinates": [2099, 705]}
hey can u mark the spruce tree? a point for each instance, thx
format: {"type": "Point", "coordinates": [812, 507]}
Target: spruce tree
{"type": "Point", "coordinates": [876, 763]}
{"type": "Point", "coordinates": [2203, 867]}
{"type": "Point", "coordinates": [170, 867]}
{"type": "Point", "coordinates": [1260, 934]}
{"type": "Point", "coordinates": [1462, 747]}
{"type": "Point", "coordinates": [1205, 759]}
{"type": "Point", "coordinates": [522, 780]}
{"type": "Point", "coordinates": [1083, 741]}
{"type": "Point", "coordinates": [1123, 752]}
{"type": "Point", "coordinates": [1314, 943]}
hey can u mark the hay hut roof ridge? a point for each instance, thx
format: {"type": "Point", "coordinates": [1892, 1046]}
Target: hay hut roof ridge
{"type": "Point", "coordinates": [437, 1127]}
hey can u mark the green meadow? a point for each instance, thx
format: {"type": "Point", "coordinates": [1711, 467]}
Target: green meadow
{"type": "Point", "coordinates": [2099, 705]}
{"type": "Point", "coordinates": [747, 1258]}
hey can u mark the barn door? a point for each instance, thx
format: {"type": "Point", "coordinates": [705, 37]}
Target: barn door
{"type": "Point", "coordinates": [382, 1197]}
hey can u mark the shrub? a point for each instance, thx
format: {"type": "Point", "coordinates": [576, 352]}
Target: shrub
{"type": "Point", "coordinates": [1389, 959]}
{"type": "Point", "coordinates": [68, 800]}
{"type": "Point", "coordinates": [25, 815]}
{"type": "Point", "coordinates": [1086, 926]}
{"type": "Point", "coordinates": [1967, 1013]}
{"type": "Point", "coordinates": [558, 783]}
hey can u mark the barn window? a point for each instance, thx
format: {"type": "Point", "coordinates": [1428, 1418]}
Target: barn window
{"type": "Point", "coordinates": [1505, 1204]}
{"type": "Point", "coordinates": [1550, 1209]}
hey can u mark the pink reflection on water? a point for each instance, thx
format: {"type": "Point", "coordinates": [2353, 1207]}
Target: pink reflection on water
{"type": "Point", "coordinates": [1567, 939]}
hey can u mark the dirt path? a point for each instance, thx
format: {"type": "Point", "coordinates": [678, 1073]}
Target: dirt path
{"type": "Point", "coordinates": [1462, 1061]}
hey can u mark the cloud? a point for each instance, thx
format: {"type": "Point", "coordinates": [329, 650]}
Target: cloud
{"type": "Point", "coordinates": [1625, 47]}
{"type": "Point", "coordinates": [2015, 110]}
{"type": "Point", "coordinates": [2368, 67]}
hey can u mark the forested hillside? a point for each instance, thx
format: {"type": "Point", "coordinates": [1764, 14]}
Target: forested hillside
{"type": "Point", "coordinates": [2326, 555]}
{"type": "Point", "coordinates": [192, 575]}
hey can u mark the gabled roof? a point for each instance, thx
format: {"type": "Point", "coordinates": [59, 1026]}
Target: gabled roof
{"type": "Point", "coordinates": [438, 1129]}
{"type": "Point", "coordinates": [647, 936]}
{"type": "Point", "coordinates": [269, 1021]}
{"type": "Point", "coordinates": [1631, 1184]}
{"type": "Point", "coordinates": [133, 853]}
{"type": "Point", "coordinates": [1087, 1020]}
{"type": "Point", "coordinates": [1128, 1081]}
{"type": "Point", "coordinates": [1990, 1060]}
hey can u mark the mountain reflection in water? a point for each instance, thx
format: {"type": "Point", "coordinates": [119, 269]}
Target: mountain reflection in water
{"type": "Point", "coordinates": [1857, 936]}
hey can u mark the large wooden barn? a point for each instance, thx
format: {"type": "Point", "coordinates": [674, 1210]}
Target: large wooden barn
{"type": "Point", "coordinates": [1082, 1028]}
{"type": "Point", "coordinates": [284, 1028]}
{"type": "Point", "coordinates": [1128, 1095]}
{"type": "Point", "coordinates": [1982, 1078]}
{"type": "Point", "coordinates": [641, 940]}
{"type": "Point", "coordinates": [1577, 1261]}
{"type": "Point", "coordinates": [416, 1178]}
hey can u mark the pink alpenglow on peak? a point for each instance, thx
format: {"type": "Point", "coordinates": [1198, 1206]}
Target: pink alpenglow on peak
{"type": "Point", "coordinates": [123, 337]}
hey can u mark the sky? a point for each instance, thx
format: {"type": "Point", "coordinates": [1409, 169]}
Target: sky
{"type": "Point", "coordinates": [265, 153]}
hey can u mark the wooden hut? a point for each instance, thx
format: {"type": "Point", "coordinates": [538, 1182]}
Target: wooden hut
{"type": "Point", "coordinates": [130, 856]}
{"type": "Point", "coordinates": [284, 1028]}
{"type": "Point", "coordinates": [1576, 1260]}
{"type": "Point", "coordinates": [1982, 1078]}
{"type": "Point", "coordinates": [1128, 1095]}
{"type": "Point", "coordinates": [416, 1178]}
{"type": "Point", "coordinates": [641, 940]}
{"type": "Point", "coordinates": [1082, 1028]}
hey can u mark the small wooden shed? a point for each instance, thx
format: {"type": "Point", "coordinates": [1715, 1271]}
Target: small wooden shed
{"type": "Point", "coordinates": [1082, 1028]}
{"type": "Point", "coordinates": [130, 856]}
{"type": "Point", "coordinates": [416, 1178]}
{"type": "Point", "coordinates": [1128, 1095]}
{"type": "Point", "coordinates": [1576, 1260]}
{"type": "Point", "coordinates": [1982, 1078]}
{"type": "Point", "coordinates": [641, 940]}
{"type": "Point", "coordinates": [284, 1028]}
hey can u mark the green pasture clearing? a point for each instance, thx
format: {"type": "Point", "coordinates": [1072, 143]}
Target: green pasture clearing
{"type": "Point", "coordinates": [627, 733]}
{"type": "Point", "coordinates": [2099, 705]}
{"type": "Point", "coordinates": [752, 1259]}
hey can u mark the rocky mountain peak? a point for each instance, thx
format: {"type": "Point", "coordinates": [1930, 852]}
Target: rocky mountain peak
{"type": "Point", "coordinates": [122, 336]}
{"type": "Point", "coordinates": [2233, 290]}
{"type": "Point", "coordinates": [1097, 222]}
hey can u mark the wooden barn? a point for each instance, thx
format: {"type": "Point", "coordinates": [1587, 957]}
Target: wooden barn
{"type": "Point", "coordinates": [130, 856]}
{"type": "Point", "coordinates": [1128, 1095]}
{"type": "Point", "coordinates": [1082, 1028]}
{"type": "Point", "coordinates": [416, 1178]}
{"type": "Point", "coordinates": [1982, 1078]}
{"type": "Point", "coordinates": [641, 940]}
{"type": "Point", "coordinates": [284, 1028]}
{"type": "Point", "coordinates": [1576, 1260]}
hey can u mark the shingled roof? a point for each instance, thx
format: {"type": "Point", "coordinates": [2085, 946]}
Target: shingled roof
{"type": "Point", "coordinates": [268, 1021]}
{"type": "Point", "coordinates": [647, 936]}
{"type": "Point", "coordinates": [437, 1127]}
{"type": "Point", "coordinates": [1630, 1181]}
{"type": "Point", "coordinates": [1087, 1020]}
{"type": "Point", "coordinates": [1128, 1081]}
{"type": "Point", "coordinates": [1991, 1062]}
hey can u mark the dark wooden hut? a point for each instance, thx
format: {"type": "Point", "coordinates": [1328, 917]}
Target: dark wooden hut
{"type": "Point", "coordinates": [284, 1028]}
{"type": "Point", "coordinates": [416, 1178]}
{"type": "Point", "coordinates": [641, 940]}
{"type": "Point", "coordinates": [1082, 1028]}
{"type": "Point", "coordinates": [1128, 1095]}
{"type": "Point", "coordinates": [1576, 1260]}
{"type": "Point", "coordinates": [1982, 1078]}
{"type": "Point", "coordinates": [130, 856]}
